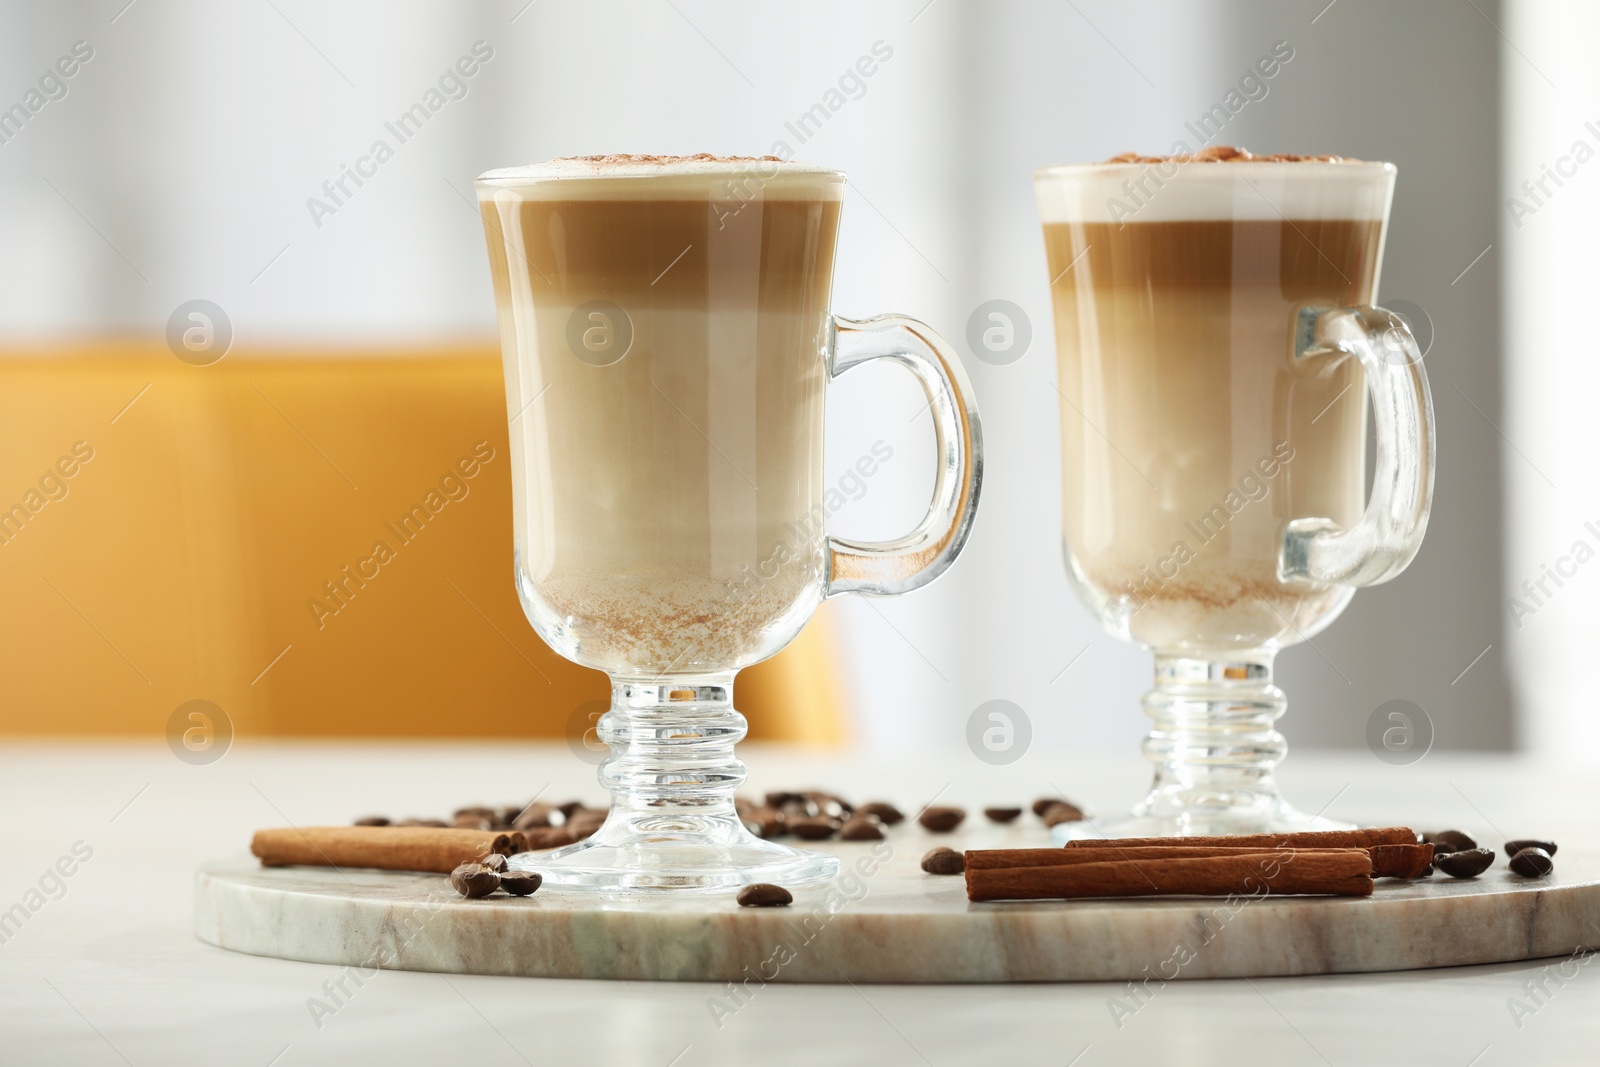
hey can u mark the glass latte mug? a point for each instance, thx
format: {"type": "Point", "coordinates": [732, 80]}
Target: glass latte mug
{"type": "Point", "coordinates": [667, 347]}
{"type": "Point", "coordinates": [1217, 342]}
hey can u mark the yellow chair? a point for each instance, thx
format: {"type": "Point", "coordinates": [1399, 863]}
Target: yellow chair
{"type": "Point", "coordinates": [171, 532]}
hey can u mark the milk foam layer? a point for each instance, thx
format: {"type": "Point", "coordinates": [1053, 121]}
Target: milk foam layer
{"type": "Point", "coordinates": [635, 177]}
{"type": "Point", "coordinates": [1174, 190]}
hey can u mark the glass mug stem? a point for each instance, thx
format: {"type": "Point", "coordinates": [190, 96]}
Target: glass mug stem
{"type": "Point", "coordinates": [1214, 743]}
{"type": "Point", "coordinates": [672, 776]}
{"type": "Point", "coordinates": [672, 749]}
{"type": "Point", "coordinates": [1216, 747]}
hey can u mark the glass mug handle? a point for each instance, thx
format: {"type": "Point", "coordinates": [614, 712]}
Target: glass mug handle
{"type": "Point", "coordinates": [1387, 537]}
{"type": "Point", "coordinates": [885, 568]}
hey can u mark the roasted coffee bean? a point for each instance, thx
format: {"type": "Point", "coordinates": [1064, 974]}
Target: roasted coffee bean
{"type": "Point", "coordinates": [1061, 812]}
{"type": "Point", "coordinates": [828, 804]}
{"type": "Point", "coordinates": [372, 820]}
{"type": "Point", "coordinates": [568, 808]}
{"type": "Point", "coordinates": [779, 800]}
{"type": "Point", "coordinates": [763, 822]}
{"type": "Point", "coordinates": [941, 820]}
{"type": "Point", "coordinates": [1513, 847]}
{"type": "Point", "coordinates": [472, 822]}
{"type": "Point", "coordinates": [1455, 840]}
{"type": "Point", "coordinates": [1040, 805]}
{"type": "Point", "coordinates": [474, 809]}
{"type": "Point", "coordinates": [943, 860]}
{"type": "Point", "coordinates": [883, 811]}
{"type": "Point", "coordinates": [811, 827]}
{"type": "Point", "coordinates": [764, 895]}
{"type": "Point", "coordinates": [860, 828]}
{"type": "Point", "coordinates": [1001, 814]}
{"type": "Point", "coordinates": [474, 880]}
{"type": "Point", "coordinates": [543, 837]}
{"type": "Point", "coordinates": [1426, 872]}
{"type": "Point", "coordinates": [495, 862]}
{"type": "Point", "coordinates": [437, 823]}
{"type": "Point", "coordinates": [1532, 862]}
{"type": "Point", "coordinates": [521, 883]}
{"type": "Point", "coordinates": [1467, 863]}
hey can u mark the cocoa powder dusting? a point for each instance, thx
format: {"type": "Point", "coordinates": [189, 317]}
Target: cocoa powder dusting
{"type": "Point", "coordinates": [628, 159]}
{"type": "Point", "coordinates": [1228, 154]}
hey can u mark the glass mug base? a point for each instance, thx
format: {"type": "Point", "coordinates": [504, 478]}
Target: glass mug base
{"type": "Point", "coordinates": [1215, 748]}
{"type": "Point", "coordinates": [677, 852]}
{"type": "Point", "coordinates": [1161, 817]}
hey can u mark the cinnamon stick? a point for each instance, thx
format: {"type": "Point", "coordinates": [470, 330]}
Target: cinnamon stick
{"type": "Point", "coordinates": [1366, 838]}
{"type": "Point", "coordinates": [390, 848]}
{"type": "Point", "coordinates": [1336, 872]}
{"type": "Point", "coordinates": [1002, 858]}
{"type": "Point", "coordinates": [1400, 861]}
{"type": "Point", "coordinates": [1388, 861]}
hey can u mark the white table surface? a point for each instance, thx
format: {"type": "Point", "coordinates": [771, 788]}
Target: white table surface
{"type": "Point", "coordinates": [111, 973]}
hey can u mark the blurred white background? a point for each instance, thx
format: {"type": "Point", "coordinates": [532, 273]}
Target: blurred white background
{"type": "Point", "coordinates": [179, 162]}
{"type": "Point", "coordinates": [1552, 123]}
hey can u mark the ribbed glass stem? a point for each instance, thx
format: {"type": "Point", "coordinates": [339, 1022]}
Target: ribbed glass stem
{"type": "Point", "coordinates": [1214, 743]}
{"type": "Point", "coordinates": [672, 748]}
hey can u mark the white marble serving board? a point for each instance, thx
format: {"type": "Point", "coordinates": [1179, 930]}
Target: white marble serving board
{"type": "Point", "coordinates": [887, 921]}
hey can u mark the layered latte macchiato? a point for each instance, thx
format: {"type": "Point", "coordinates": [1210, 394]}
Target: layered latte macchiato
{"type": "Point", "coordinates": [1219, 344]}
{"type": "Point", "coordinates": [667, 318]}
{"type": "Point", "coordinates": [668, 343]}
{"type": "Point", "coordinates": [1190, 437]}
